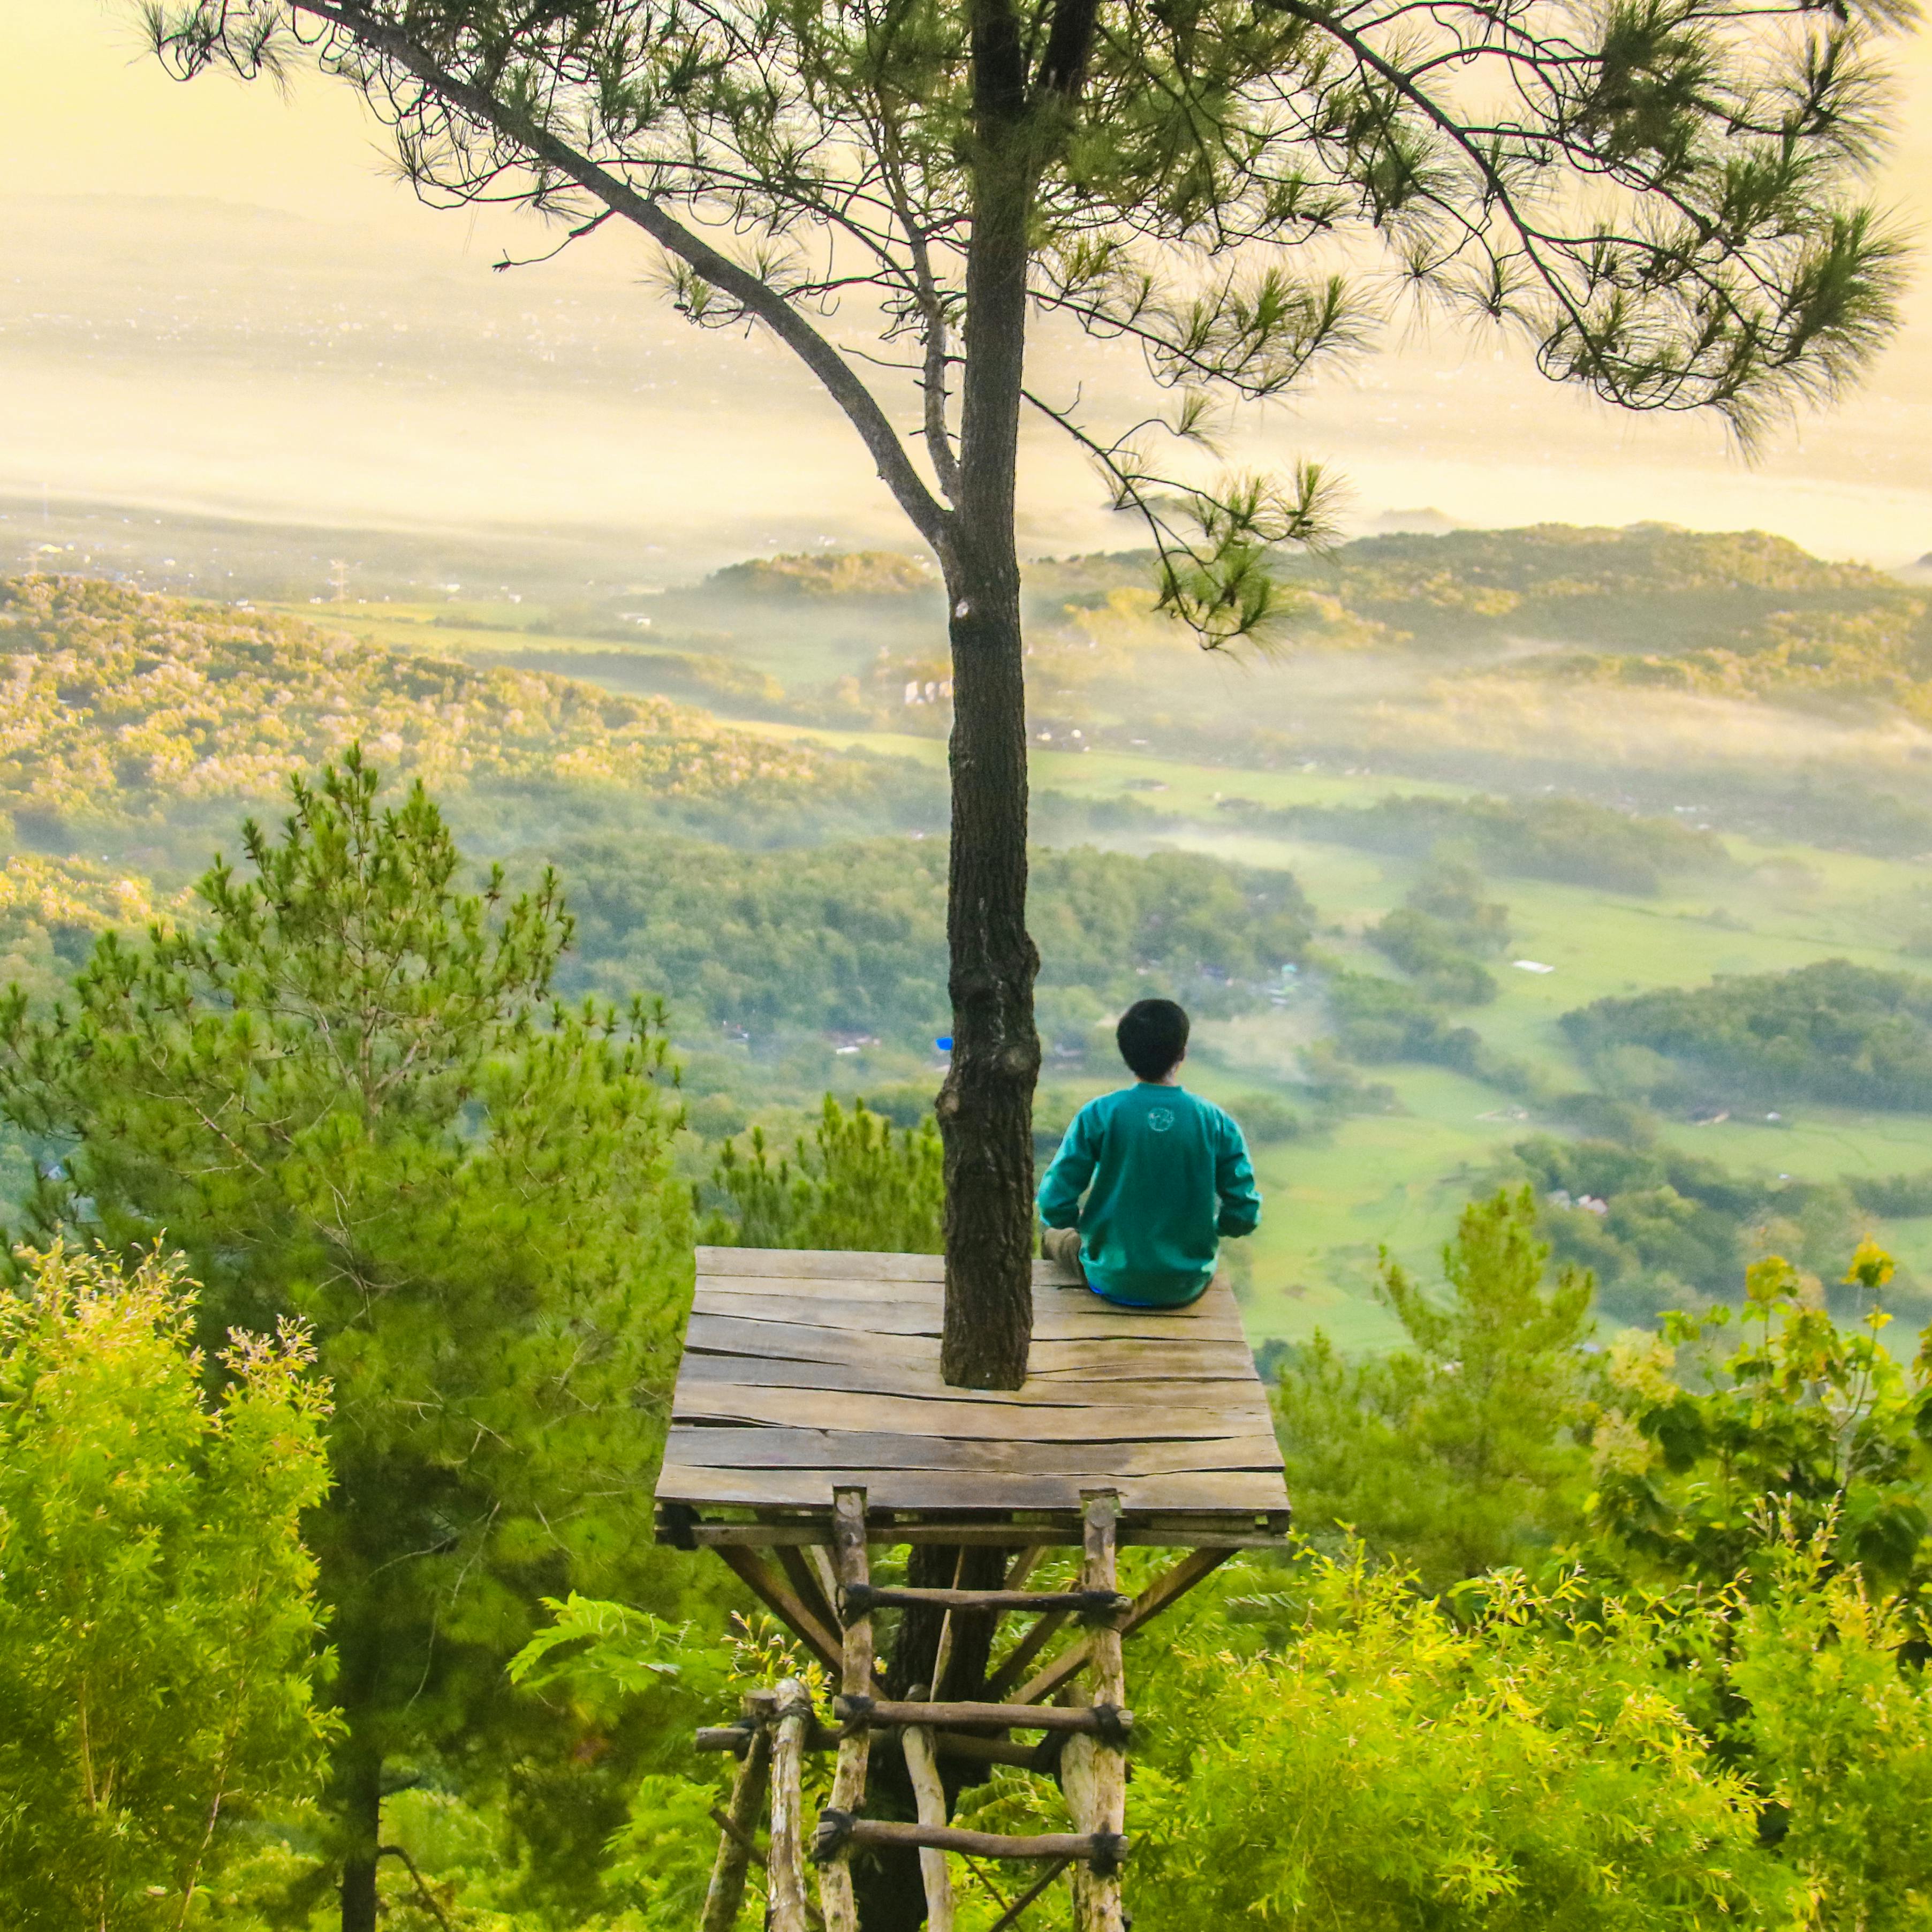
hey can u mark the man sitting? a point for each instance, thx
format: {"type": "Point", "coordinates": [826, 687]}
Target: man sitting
{"type": "Point", "coordinates": [1166, 1174]}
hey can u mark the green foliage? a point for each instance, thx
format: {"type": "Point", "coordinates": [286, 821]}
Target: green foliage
{"type": "Point", "coordinates": [1834, 1718]}
{"type": "Point", "coordinates": [157, 1616]}
{"type": "Point", "coordinates": [1567, 839]}
{"type": "Point", "coordinates": [1265, 1118]}
{"type": "Point", "coordinates": [864, 573]}
{"type": "Point", "coordinates": [1832, 1031]}
{"type": "Point", "coordinates": [1435, 935]}
{"type": "Point", "coordinates": [852, 937]}
{"type": "Point", "coordinates": [1804, 1432]}
{"type": "Point", "coordinates": [126, 702]}
{"type": "Point", "coordinates": [856, 1183]}
{"type": "Point", "coordinates": [1380, 1761]}
{"type": "Point", "coordinates": [350, 1098]}
{"type": "Point", "coordinates": [1379, 1020]}
{"type": "Point", "coordinates": [1657, 1226]}
{"type": "Point", "coordinates": [1454, 1454]}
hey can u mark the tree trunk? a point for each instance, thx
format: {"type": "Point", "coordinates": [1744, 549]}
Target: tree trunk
{"type": "Point", "coordinates": [359, 1809]}
{"type": "Point", "coordinates": [886, 1880]}
{"type": "Point", "coordinates": [985, 1107]}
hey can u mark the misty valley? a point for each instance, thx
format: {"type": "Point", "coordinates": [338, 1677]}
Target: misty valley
{"type": "Point", "coordinates": [1593, 859]}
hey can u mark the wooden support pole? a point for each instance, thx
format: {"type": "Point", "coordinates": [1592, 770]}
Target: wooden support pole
{"type": "Point", "coordinates": [848, 1781]}
{"type": "Point", "coordinates": [803, 1576]}
{"type": "Point", "coordinates": [1172, 1583]}
{"type": "Point", "coordinates": [1094, 1770]}
{"type": "Point", "coordinates": [1019, 1660]}
{"type": "Point", "coordinates": [1023, 1564]}
{"type": "Point", "coordinates": [1103, 1848]}
{"type": "Point", "coordinates": [785, 1861]}
{"type": "Point", "coordinates": [929, 1795]}
{"type": "Point", "coordinates": [1067, 1602]}
{"type": "Point", "coordinates": [779, 1597]}
{"type": "Point", "coordinates": [883, 1713]}
{"type": "Point", "coordinates": [736, 1847]}
{"type": "Point", "coordinates": [1011, 1916]}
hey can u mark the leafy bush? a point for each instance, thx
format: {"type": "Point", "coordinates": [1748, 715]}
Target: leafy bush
{"type": "Point", "coordinates": [157, 1622]}
{"type": "Point", "coordinates": [1818, 1429]}
{"type": "Point", "coordinates": [350, 1098]}
{"type": "Point", "coordinates": [1324, 1748]}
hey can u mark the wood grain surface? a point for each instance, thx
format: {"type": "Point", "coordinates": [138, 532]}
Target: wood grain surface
{"type": "Point", "coordinates": [805, 1371]}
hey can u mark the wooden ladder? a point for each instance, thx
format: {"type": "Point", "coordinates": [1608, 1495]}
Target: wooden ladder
{"type": "Point", "coordinates": [1084, 1738]}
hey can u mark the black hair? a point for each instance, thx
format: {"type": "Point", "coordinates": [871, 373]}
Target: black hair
{"type": "Point", "coordinates": [1153, 1036]}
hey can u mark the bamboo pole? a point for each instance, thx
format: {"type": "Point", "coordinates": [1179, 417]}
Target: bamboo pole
{"type": "Point", "coordinates": [886, 1714]}
{"type": "Point", "coordinates": [848, 1782]}
{"type": "Point", "coordinates": [1094, 1769]}
{"type": "Point", "coordinates": [929, 1795]}
{"type": "Point", "coordinates": [735, 1844]}
{"type": "Point", "coordinates": [1044, 1845]}
{"type": "Point", "coordinates": [785, 1861]}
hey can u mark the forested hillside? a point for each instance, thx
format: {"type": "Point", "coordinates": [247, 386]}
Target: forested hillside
{"type": "Point", "coordinates": [117, 705]}
{"type": "Point", "coordinates": [350, 1073]}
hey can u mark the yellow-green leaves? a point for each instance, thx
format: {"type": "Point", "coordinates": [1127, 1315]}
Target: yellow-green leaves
{"type": "Point", "coordinates": [157, 1624]}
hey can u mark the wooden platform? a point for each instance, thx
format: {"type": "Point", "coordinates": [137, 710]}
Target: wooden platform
{"type": "Point", "coordinates": [804, 1370]}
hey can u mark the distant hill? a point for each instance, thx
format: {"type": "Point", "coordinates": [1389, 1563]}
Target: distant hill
{"type": "Point", "coordinates": [864, 573]}
{"type": "Point", "coordinates": [1739, 614]}
{"type": "Point", "coordinates": [115, 703]}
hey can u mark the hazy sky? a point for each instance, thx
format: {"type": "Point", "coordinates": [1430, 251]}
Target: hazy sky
{"type": "Point", "coordinates": [212, 297]}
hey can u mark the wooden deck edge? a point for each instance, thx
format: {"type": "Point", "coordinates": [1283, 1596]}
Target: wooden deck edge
{"type": "Point", "coordinates": [680, 1526]}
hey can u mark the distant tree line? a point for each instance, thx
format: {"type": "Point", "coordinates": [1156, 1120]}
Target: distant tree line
{"type": "Point", "coordinates": [1835, 1032]}
{"type": "Point", "coordinates": [851, 936]}
{"type": "Point", "coordinates": [1567, 839]}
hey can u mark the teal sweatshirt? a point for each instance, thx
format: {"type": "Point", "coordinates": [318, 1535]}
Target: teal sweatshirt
{"type": "Point", "coordinates": [1166, 1174]}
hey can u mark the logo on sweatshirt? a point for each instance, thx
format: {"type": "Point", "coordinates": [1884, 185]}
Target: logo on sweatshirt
{"type": "Point", "coordinates": [1160, 1119]}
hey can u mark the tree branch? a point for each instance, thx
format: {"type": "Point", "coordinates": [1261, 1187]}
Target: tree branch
{"type": "Point", "coordinates": [929, 517]}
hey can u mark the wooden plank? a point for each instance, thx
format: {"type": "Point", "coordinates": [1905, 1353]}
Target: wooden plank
{"type": "Point", "coordinates": [698, 1372]}
{"type": "Point", "coordinates": [960, 1415]}
{"type": "Point", "coordinates": [889, 1316]}
{"type": "Point", "coordinates": [809, 1342]}
{"type": "Point", "coordinates": [1048, 1309]}
{"type": "Point", "coordinates": [810, 1263]}
{"type": "Point", "coordinates": [922, 1294]}
{"type": "Point", "coordinates": [1243, 1493]}
{"type": "Point", "coordinates": [911, 1319]}
{"type": "Point", "coordinates": [801, 1341]}
{"type": "Point", "coordinates": [1148, 1529]}
{"type": "Point", "coordinates": [809, 1448]}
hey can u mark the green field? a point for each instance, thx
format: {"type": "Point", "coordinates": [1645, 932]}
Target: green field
{"type": "Point", "coordinates": [1398, 1179]}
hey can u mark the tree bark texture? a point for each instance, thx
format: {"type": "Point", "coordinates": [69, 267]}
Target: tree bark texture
{"type": "Point", "coordinates": [358, 1808]}
{"type": "Point", "coordinates": [985, 1107]}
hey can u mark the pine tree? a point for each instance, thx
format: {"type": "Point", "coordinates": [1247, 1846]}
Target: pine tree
{"type": "Point", "coordinates": [1665, 197]}
{"type": "Point", "coordinates": [350, 1098]}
